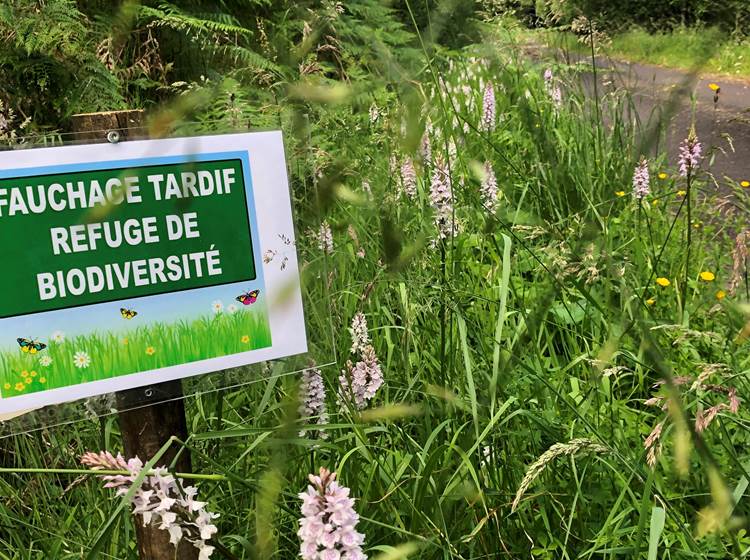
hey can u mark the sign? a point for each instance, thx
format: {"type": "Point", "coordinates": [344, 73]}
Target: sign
{"type": "Point", "coordinates": [135, 263]}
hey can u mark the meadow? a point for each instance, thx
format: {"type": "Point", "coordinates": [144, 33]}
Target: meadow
{"type": "Point", "coordinates": [80, 359]}
{"type": "Point", "coordinates": [559, 312]}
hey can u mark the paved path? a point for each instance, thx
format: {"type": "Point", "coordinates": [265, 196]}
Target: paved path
{"type": "Point", "coordinates": [672, 96]}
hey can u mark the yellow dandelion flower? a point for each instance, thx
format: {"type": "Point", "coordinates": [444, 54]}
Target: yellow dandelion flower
{"type": "Point", "coordinates": [24, 374]}
{"type": "Point", "coordinates": [245, 339]}
{"type": "Point", "coordinates": [620, 193]}
{"type": "Point", "coordinates": [28, 380]}
{"type": "Point", "coordinates": [681, 193]}
{"type": "Point", "coordinates": [662, 175]}
{"type": "Point", "coordinates": [697, 225]}
{"type": "Point", "coordinates": [650, 301]}
{"type": "Point", "coordinates": [20, 386]}
{"type": "Point", "coordinates": [707, 276]}
{"type": "Point", "coordinates": [150, 350]}
{"type": "Point", "coordinates": [720, 295]}
{"type": "Point", "coordinates": [663, 282]}
{"type": "Point", "coordinates": [745, 184]}
{"type": "Point", "coordinates": [714, 87]}
{"type": "Point", "coordinates": [6, 386]}
{"type": "Point", "coordinates": [42, 380]}
{"type": "Point", "coordinates": [655, 202]}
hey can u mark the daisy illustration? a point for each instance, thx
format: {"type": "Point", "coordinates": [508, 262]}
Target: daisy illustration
{"type": "Point", "coordinates": [45, 361]}
{"type": "Point", "coordinates": [58, 337]}
{"type": "Point", "coordinates": [81, 360]}
{"type": "Point", "coordinates": [217, 306]}
{"type": "Point", "coordinates": [231, 309]}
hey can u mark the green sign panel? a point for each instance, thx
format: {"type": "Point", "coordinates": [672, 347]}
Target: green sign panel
{"type": "Point", "coordinates": [79, 238]}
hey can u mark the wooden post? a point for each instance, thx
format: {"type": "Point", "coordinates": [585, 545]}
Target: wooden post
{"type": "Point", "coordinates": [150, 415]}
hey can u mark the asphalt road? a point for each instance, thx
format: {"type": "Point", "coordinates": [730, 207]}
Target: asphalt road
{"type": "Point", "coordinates": [673, 98]}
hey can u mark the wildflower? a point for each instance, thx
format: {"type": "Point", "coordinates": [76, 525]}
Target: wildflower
{"type": "Point", "coordinates": [641, 180]}
{"type": "Point", "coordinates": [489, 187]}
{"type": "Point", "coordinates": [652, 445]}
{"type": "Point", "coordinates": [217, 306]}
{"type": "Point", "coordinates": [441, 197]}
{"type": "Point", "coordinates": [739, 259]}
{"type": "Point", "coordinates": [620, 193]}
{"type": "Point", "coordinates": [655, 202]}
{"type": "Point", "coordinates": [374, 113]}
{"type": "Point", "coordinates": [367, 189]}
{"type": "Point", "coordinates": [28, 380]}
{"type": "Point", "coordinates": [714, 87]}
{"type": "Point", "coordinates": [721, 294]}
{"type": "Point", "coordinates": [327, 530]}
{"type": "Point", "coordinates": [150, 350]}
{"type": "Point", "coordinates": [663, 282]}
{"type": "Point", "coordinates": [81, 360]}
{"type": "Point", "coordinates": [488, 108]}
{"type": "Point", "coordinates": [58, 337]}
{"type": "Point", "coordinates": [358, 331]}
{"type": "Point", "coordinates": [690, 154]}
{"type": "Point", "coordinates": [745, 184]}
{"type": "Point", "coordinates": [245, 339]}
{"type": "Point", "coordinates": [312, 393]}
{"type": "Point", "coordinates": [6, 386]}
{"type": "Point", "coordinates": [360, 382]}
{"type": "Point", "coordinates": [42, 380]}
{"type": "Point", "coordinates": [681, 193]}
{"type": "Point", "coordinates": [409, 178]}
{"type": "Point", "coordinates": [650, 301]}
{"type": "Point", "coordinates": [707, 276]}
{"type": "Point", "coordinates": [20, 386]}
{"type": "Point", "coordinates": [32, 373]}
{"type": "Point", "coordinates": [24, 374]}
{"type": "Point", "coordinates": [662, 175]}
{"type": "Point", "coordinates": [232, 309]}
{"type": "Point", "coordinates": [161, 500]}
{"type": "Point", "coordinates": [325, 238]}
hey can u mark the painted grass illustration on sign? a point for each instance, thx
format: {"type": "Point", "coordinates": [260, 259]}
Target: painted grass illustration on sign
{"type": "Point", "coordinates": [80, 359]}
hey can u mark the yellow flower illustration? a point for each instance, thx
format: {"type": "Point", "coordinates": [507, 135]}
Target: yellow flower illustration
{"type": "Point", "coordinates": [32, 373]}
{"type": "Point", "coordinates": [663, 282]}
{"type": "Point", "coordinates": [6, 386]}
{"type": "Point", "coordinates": [714, 87]}
{"type": "Point", "coordinates": [650, 301]}
{"type": "Point", "coordinates": [20, 386]}
{"type": "Point", "coordinates": [24, 373]}
{"type": "Point", "coordinates": [125, 341]}
{"type": "Point", "coordinates": [745, 184]}
{"type": "Point", "coordinates": [28, 380]}
{"type": "Point", "coordinates": [620, 193]}
{"type": "Point", "coordinates": [707, 276]}
{"type": "Point", "coordinates": [662, 175]}
{"type": "Point", "coordinates": [720, 295]}
{"type": "Point", "coordinates": [150, 350]}
{"type": "Point", "coordinates": [42, 380]}
{"type": "Point", "coordinates": [245, 339]}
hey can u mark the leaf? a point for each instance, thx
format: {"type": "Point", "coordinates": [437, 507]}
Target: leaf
{"type": "Point", "coordinates": [658, 515]}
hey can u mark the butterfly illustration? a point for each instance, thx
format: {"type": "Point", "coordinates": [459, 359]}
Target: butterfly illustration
{"type": "Point", "coordinates": [127, 313]}
{"type": "Point", "coordinates": [248, 297]}
{"type": "Point", "coordinates": [30, 346]}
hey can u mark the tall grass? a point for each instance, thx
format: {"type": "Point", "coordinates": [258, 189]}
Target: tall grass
{"type": "Point", "coordinates": [518, 354]}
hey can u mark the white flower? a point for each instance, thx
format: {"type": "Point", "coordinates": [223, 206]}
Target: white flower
{"type": "Point", "coordinates": [358, 331]}
{"type": "Point", "coordinates": [217, 306]}
{"type": "Point", "coordinates": [312, 396]}
{"type": "Point", "coordinates": [325, 238]}
{"type": "Point", "coordinates": [231, 309]}
{"type": "Point", "coordinates": [45, 361]}
{"type": "Point", "coordinates": [81, 360]}
{"type": "Point", "coordinates": [58, 337]}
